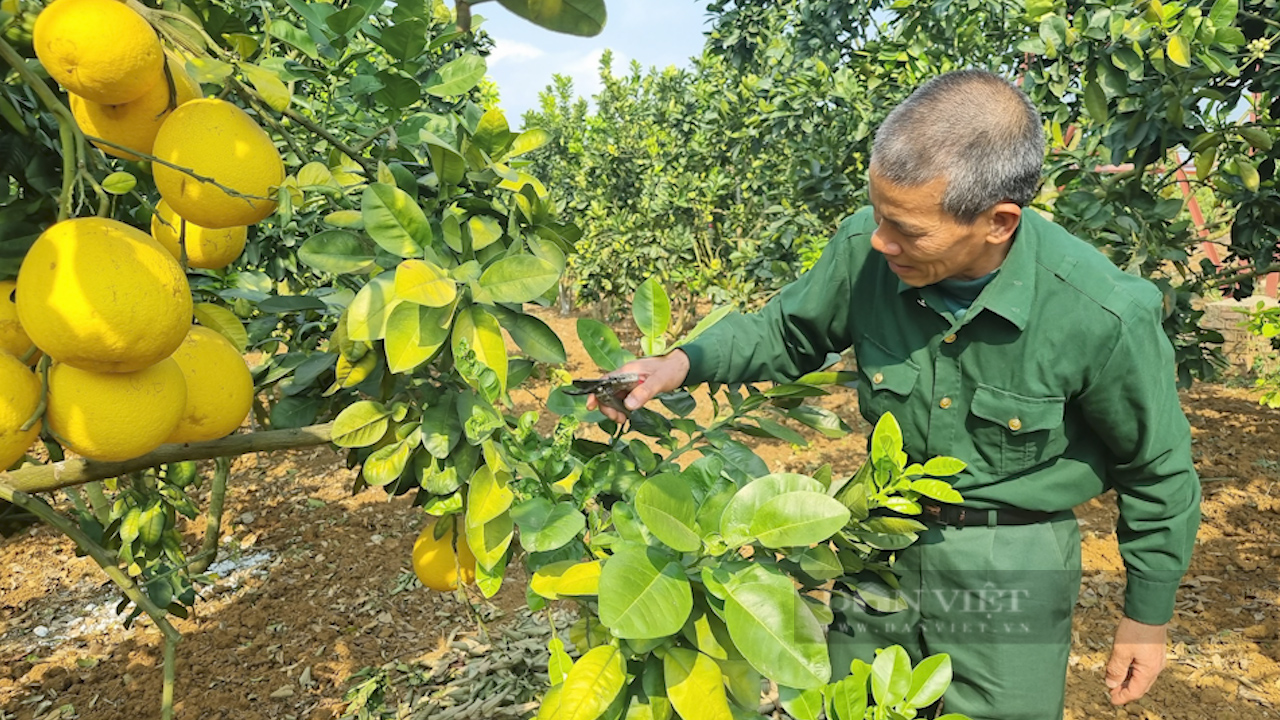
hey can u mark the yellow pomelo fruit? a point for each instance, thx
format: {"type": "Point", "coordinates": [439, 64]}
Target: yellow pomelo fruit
{"type": "Point", "coordinates": [219, 387]}
{"type": "Point", "coordinates": [215, 139]}
{"type": "Point", "coordinates": [115, 416]}
{"type": "Point", "coordinates": [434, 562]}
{"type": "Point", "coordinates": [100, 50]}
{"type": "Point", "coordinates": [19, 397]}
{"type": "Point", "coordinates": [206, 248]}
{"type": "Point", "coordinates": [100, 295]}
{"type": "Point", "coordinates": [134, 124]}
{"type": "Point", "coordinates": [13, 339]}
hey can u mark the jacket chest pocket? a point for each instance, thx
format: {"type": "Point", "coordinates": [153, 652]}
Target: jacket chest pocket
{"type": "Point", "coordinates": [887, 381]}
{"type": "Point", "coordinates": [1013, 432]}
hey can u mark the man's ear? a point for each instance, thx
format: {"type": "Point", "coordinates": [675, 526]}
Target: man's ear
{"type": "Point", "coordinates": [1004, 219]}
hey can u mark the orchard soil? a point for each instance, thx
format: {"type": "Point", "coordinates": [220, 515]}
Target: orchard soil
{"type": "Point", "coordinates": [325, 590]}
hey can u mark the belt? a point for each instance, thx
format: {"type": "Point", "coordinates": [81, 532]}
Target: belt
{"type": "Point", "coordinates": [957, 516]}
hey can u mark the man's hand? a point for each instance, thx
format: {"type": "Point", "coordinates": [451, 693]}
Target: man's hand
{"type": "Point", "coordinates": [657, 375]}
{"type": "Point", "coordinates": [1137, 657]}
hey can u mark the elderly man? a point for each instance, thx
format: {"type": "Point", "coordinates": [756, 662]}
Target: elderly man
{"type": "Point", "coordinates": [996, 337]}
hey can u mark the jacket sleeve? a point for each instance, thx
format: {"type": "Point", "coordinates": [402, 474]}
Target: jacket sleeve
{"type": "Point", "coordinates": [1132, 404]}
{"type": "Point", "coordinates": [796, 330]}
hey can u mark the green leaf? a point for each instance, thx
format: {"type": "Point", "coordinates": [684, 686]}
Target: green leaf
{"type": "Point", "coordinates": [294, 36]}
{"type": "Point", "coordinates": [695, 686]}
{"type": "Point", "coordinates": [602, 344]}
{"type": "Point", "coordinates": [929, 680]}
{"type": "Point", "coordinates": [936, 489]}
{"type": "Point", "coordinates": [269, 86]}
{"type": "Point", "coordinates": [651, 309]}
{"type": "Point", "coordinates": [484, 230]}
{"type": "Point", "coordinates": [394, 220]}
{"type": "Point", "coordinates": [886, 439]}
{"type": "Point", "coordinates": [360, 424]}
{"type": "Point", "coordinates": [644, 594]}
{"type": "Point", "coordinates": [371, 309]}
{"type": "Point", "coordinates": [405, 40]}
{"type": "Point", "coordinates": [1095, 101]}
{"type": "Point", "coordinates": [705, 323]}
{"type": "Point", "coordinates": [1256, 136]}
{"type": "Point", "coordinates": [414, 334]}
{"type": "Point", "coordinates": [943, 466]}
{"type": "Point", "coordinates": [821, 563]}
{"type": "Point", "coordinates": [592, 684]}
{"type": "Point", "coordinates": [666, 505]}
{"type": "Point", "coordinates": [519, 279]}
{"type": "Point", "coordinates": [119, 183]}
{"type": "Point", "coordinates": [447, 162]}
{"type": "Point", "coordinates": [425, 283]}
{"type": "Point", "coordinates": [336, 252]}
{"type": "Point", "coordinates": [224, 322]}
{"type": "Point", "coordinates": [560, 663]}
{"type": "Point", "coordinates": [386, 464]}
{"type": "Point", "coordinates": [735, 523]}
{"type": "Point", "coordinates": [798, 519]}
{"type": "Point", "coordinates": [890, 676]}
{"type": "Point", "coordinates": [801, 704]}
{"type": "Point", "coordinates": [546, 526]}
{"type": "Point", "coordinates": [1179, 50]}
{"type": "Point", "coordinates": [774, 630]}
{"type": "Point", "coordinates": [1224, 12]}
{"type": "Point", "coordinates": [441, 428]}
{"type": "Point", "coordinates": [849, 695]}
{"type": "Point", "coordinates": [827, 423]}
{"type": "Point", "coordinates": [533, 336]}
{"type": "Point", "coordinates": [457, 77]}
{"type": "Point", "coordinates": [585, 18]}
{"type": "Point", "coordinates": [484, 336]}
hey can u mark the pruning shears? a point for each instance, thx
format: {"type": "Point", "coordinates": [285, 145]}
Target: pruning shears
{"type": "Point", "coordinates": [609, 390]}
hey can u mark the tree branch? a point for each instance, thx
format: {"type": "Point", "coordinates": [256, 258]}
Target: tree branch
{"type": "Point", "coordinates": [66, 473]}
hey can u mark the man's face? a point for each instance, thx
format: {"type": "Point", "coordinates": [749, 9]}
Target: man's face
{"type": "Point", "coordinates": [923, 243]}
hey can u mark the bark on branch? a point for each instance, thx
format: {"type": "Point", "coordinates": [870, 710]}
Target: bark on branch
{"type": "Point", "coordinates": [66, 473]}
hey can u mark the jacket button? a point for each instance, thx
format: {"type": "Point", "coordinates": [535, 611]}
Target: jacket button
{"type": "Point", "coordinates": [877, 378]}
{"type": "Point", "coordinates": [944, 403]}
{"type": "Point", "coordinates": [1015, 424]}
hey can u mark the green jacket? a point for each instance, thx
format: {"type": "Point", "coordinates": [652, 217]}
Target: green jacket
{"type": "Point", "coordinates": [1057, 384]}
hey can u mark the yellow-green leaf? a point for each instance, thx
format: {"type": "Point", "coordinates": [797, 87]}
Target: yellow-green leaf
{"type": "Point", "coordinates": [414, 334]}
{"type": "Point", "coordinates": [224, 322]}
{"type": "Point", "coordinates": [1179, 50]}
{"type": "Point", "coordinates": [593, 682]}
{"type": "Point", "coordinates": [695, 685]}
{"type": "Point", "coordinates": [268, 85]}
{"type": "Point", "coordinates": [425, 283]}
{"type": "Point", "coordinates": [1204, 163]}
{"type": "Point", "coordinates": [485, 231]}
{"type": "Point", "coordinates": [484, 336]}
{"type": "Point", "coordinates": [1257, 137]}
{"type": "Point", "coordinates": [1248, 174]}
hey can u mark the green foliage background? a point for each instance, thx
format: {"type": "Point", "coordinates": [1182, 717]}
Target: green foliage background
{"type": "Point", "coordinates": [727, 178]}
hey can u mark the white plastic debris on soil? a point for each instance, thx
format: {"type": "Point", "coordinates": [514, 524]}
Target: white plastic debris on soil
{"type": "Point", "coordinates": [98, 617]}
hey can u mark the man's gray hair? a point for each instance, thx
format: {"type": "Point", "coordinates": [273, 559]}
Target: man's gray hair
{"type": "Point", "coordinates": [972, 128]}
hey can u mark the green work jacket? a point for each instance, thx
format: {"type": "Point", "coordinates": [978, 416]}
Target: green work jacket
{"type": "Point", "coordinates": [1056, 385]}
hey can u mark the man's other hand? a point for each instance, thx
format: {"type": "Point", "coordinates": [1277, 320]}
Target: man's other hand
{"type": "Point", "coordinates": [1137, 657]}
{"type": "Point", "coordinates": [657, 375]}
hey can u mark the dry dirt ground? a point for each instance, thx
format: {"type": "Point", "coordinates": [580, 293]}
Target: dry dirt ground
{"type": "Point", "coordinates": [319, 588]}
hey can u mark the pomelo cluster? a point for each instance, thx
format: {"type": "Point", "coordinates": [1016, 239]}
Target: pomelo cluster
{"type": "Point", "coordinates": [109, 304]}
{"type": "Point", "coordinates": [111, 308]}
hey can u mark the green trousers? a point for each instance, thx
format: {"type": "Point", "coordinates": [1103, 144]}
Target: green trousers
{"type": "Point", "coordinates": [998, 600]}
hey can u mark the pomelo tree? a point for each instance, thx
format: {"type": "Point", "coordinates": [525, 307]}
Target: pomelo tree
{"type": "Point", "coordinates": [400, 247]}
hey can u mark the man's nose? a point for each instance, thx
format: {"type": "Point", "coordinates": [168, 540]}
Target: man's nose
{"type": "Point", "coordinates": [883, 246]}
